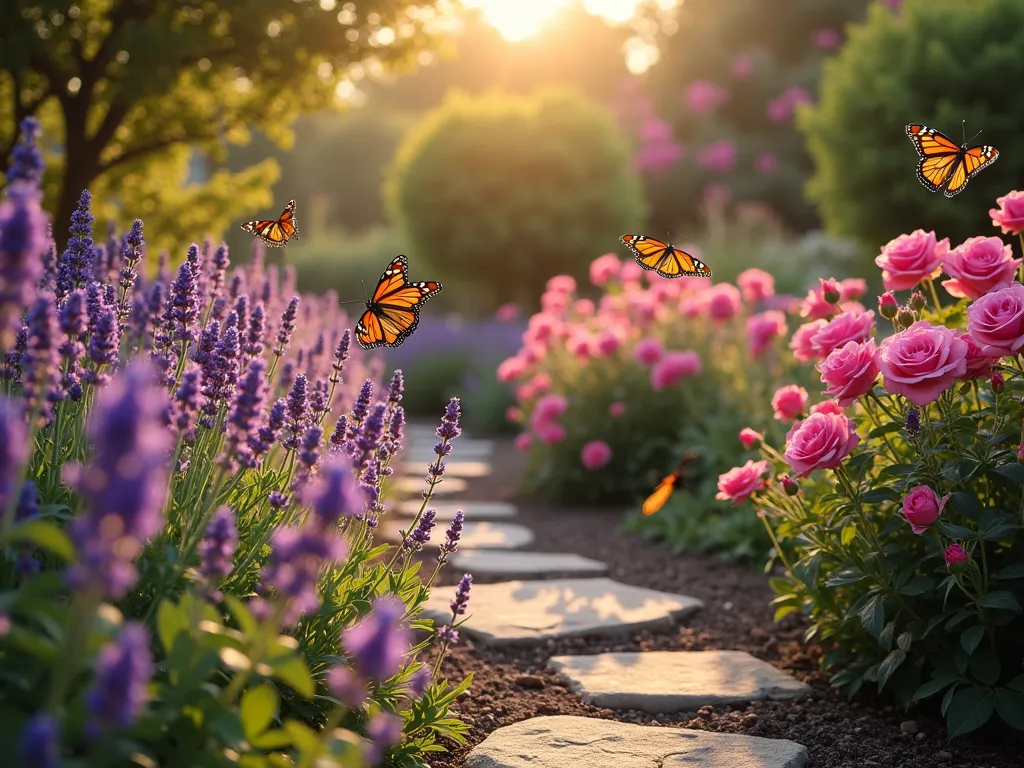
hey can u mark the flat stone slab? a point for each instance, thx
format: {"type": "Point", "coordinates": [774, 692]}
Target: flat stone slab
{"type": "Point", "coordinates": [496, 564]}
{"type": "Point", "coordinates": [532, 611]}
{"type": "Point", "coordinates": [674, 681]}
{"type": "Point", "coordinates": [474, 535]}
{"type": "Point", "coordinates": [417, 484]}
{"type": "Point", "coordinates": [451, 468]}
{"type": "Point", "coordinates": [587, 742]}
{"type": "Point", "coordinates": [473, 510]}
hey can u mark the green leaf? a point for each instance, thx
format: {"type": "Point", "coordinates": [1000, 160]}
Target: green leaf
{"type": "Point", "coordinates": [918, 586]}
{"type": "Point", "coordinates": [905, 640]}
{"type": "Point", "coordinates": [956, 531]}
{"type": "Point", "coordinates": [967, 504]}
{"type": "Point", "coordinates": [878, 495]}
{"type": "Point", "coordinates": [889, 665]}
{"type": "Point", "coordinates": [885, 636]}
{"type": "Point", "coordinates": [46, 536]}
{"type": "Point", "coordinates": [781, 586]}
{"type": "Point", "coordinates": [303, 736]}
{"type": "Point", "coordinates": [1016, 684]}
{"type": "Point", "coordinates": [848, 574]}
{"type": "Point", "coordinates": [246, 622]}
{"type": "Point", "coordinates": [872, 615]}
{"type": "Point", "coordinates": [948, 698]}
{"type": "Point", "coordinates": [258, 708]}
{"type": "Point", "coordinates": [170, 621]}
{"type": "Point", "coordinates": [848, 534]}
{"type": "Point", "coordinates": [970, 638]}
{"type": "Point", "coordinates": [1010, 707]}
{"type": "Point", "coordinates": [784, 611]}
{"type": "Point", "coordinates": [896, 470]}
{"type": "Point", "coordinates": [984, 665]}
{"type": "Point", "coordinates": [969, 709]}
{"type": "Point", "coordinates": [933, 686]}
{"type": "Point", "coordinates": [1013, 472]}
{"type": "Point", "coordinates": [293, 671]}
{"type": "Point", "coordinates": [275, 738]}
{"type": "Point", "coordinates": [1000, 600]}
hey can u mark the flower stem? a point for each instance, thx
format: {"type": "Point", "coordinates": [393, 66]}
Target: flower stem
{"type": "Point", "coordinates": [934, 293]}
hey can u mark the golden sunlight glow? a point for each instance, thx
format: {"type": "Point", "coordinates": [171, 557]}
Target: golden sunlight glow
{"type": "Point", "coordinates": [520, 19]}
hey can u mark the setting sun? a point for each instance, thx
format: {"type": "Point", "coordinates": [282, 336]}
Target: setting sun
{"type": "Point", "coordinates": [520, 19]}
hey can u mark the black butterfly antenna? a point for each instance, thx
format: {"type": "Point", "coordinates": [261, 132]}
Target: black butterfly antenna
{"type": "Point", "coordinates": [364, 300]}
{"type": "Point", "coordinates": [963, 132]}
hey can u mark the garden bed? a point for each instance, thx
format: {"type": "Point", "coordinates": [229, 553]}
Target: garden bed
{"type": "Point", "coordinates": [513, 683]}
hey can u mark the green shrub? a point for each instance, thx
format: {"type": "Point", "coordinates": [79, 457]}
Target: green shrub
{"type": "Point", "coordinates": [499, 192]}
{"type": "Point", "coordinates": [347, 264]}
{"type": "Point", "coordinates": [937, 62]}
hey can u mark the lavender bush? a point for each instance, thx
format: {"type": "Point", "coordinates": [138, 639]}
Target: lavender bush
{"type": "Point", "coordinates": [191, 474]}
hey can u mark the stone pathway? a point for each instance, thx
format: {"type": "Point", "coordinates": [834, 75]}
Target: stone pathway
{"type": "Point", "coordinates": [410, 484]}
{"type": "Point", "coordinates": [474, 535]}
{"type": "Point", "coordinates": [473, 510]}
{"type": "Point", "coordinates": [562, 741]}
{"type": "Point", "coordinates": [501, 565]}
{"type": "Point", "coordinates": [451, 468]}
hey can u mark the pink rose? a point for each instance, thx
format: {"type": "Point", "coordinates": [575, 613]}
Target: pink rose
{"type": "Point", "coordinates": [578, 345]}
{"type": "Point", "coordinates": [800, 342]}
{"type": "Point", "coordinates": [850, 370]}
{"type": "Point", "coordinates": [922, 362]}
{"type": "Point", "coordinates": [826, 39]}
{"type": "Point", "coordinates": [766, 162]}
{"type": "Point", "coordinates": [630, 272]}
{"type": "Point", "coordinates": [719, 156]}
{"type": "Point", "coordinates": [608, 343]}
{"type": "Point", "coordinates": [755, 285]}
{"type": "Point", "coordinates": [762, 329]}
{"type": "Point", "coordinates": [595, 455]}
{"type": "Point", "coordinates": [739, 482]}
{"type": "Point", "coordinates": [723, 301]}
{"type": "Point", "coordinates": [604, 268]}
{"type": "Point", "coordinates": [672, 367]}
{"type": "Point", "coordinates": [550, 432]}
{"type": "Point", "coordinates": [814, 306]}
{"type": "Point", "coordinates": [743, 66]}
{"type": "Point", "coordinates": [854, 325]}
{"type": "Point", "coordinates": [554, 303]}
{"type": "Point", "coordinates": [1009, 216]}
{"type": "Point", "coordinates": [821, 441]}
{"type": "Point", "coordinates": [996, 321]}
{"type": "Point", "coordinates": [852, 288]}
{"type": "Point", "coordinates": [513, 413]}
{"type": "Point", "coordinates": [978, 266]}
{"type": "Point", "coordinates": [955, 557]}
{"type": "Point", "coordinates": [540, 382]}
{"type": "Point", "coordinates": [548, 408]}
{"type": "Point", "coordinates": [789, 401]}
{"type": "Point", "coordinates": [922, 507]}
{"type": "Point", "coordinates": [523, 442]}
{"type": "Point", "coordinates": [617, 410]}
{"type": "Point", "coordinates": [750, 438]}
{"type": "Point", "coordinates": [909, 259]}
{"type": "Point", "coordinates": [703, 96]}
{"type": "Point", "coordinates": [583, 307]}
{"type": "Point", "coordinates": [540, 328]}
{"type": "Point", "coordinates": [506, 313]}
{"type": "Point", "coordinates": [561, 284]}
{"type": "Point", "coordinates": [648, 351]}
{"type": "Point", "coordinates": [828, 406]}
{"type": "Point", "coordinates": [979, 365]}
{"type": "Point", "coordinates": [511, 369]}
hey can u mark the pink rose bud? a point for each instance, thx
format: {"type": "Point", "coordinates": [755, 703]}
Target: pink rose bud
{"type": "Point", "coordinates": [956, 558]}
{"type": "Point", "coordinates": [997, 382]}
{"type": "Point", "coordinates": [750, 438]}
{"type": "Point", "coordinates": [888, 306]}
{"type": "Point", "coordinates": [829, 290]}
{"type": "Point", "coordinates": [922, 507]}
{"type": "Point", "coordinates": [917, 301]}
{"type": "Point", "coordinates": [790, 486]}
{"type": "Point", "coordinates": [789, 402]}
{"type": "Point", "coordinates": [905, 317]}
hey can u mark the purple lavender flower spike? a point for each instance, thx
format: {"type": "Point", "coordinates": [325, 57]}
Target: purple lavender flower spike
{"type": "Point", "coordinates": [266, 435]}
{"type": "Point", "coordinates": [163, 267]}
{"type": "Point", "coordinates": [309, 453]}
{"type": "Point", "coordinates": [218, 272]}
{"type": "Point", "coordinates": [74, 268]}
{"type": "Point", "coordinates": [448, 635]}
{"type": "Point", "coordinates": [14, 448]}
{"type": "Point", "coordinates": [449, 428]}
{"type": "Point", "coordinates": [451, 538]}
{"type": "Point", "coordinates": [186, 403]}
{"type": "Point", "coordinates": [217, 548]}
{"type": "Point", "coordinates": [155, 301]}
{"type": "Point", "coordinates": [396, 433]}
{"type": "Point", "coordinates": [11, 370]}
{"type": "Point", "coordinates": [397, 388]}
{"type": "Point", "coordinates": [23, 242]}
{"type": "Point", "coordinates": [346, 686]}
{"type": "Point", "coordinates": [131, 254]}
{"type": "Point", "coordinates": [462, 595]}
{"type": "Point", "coordinates": [360, 408]}
{"type": "Point", "coordinates": [103, 345]}
{"type": "Point", "coordinates": [40, 365]}
{"type": "Point", "coordinates": [236, 286]}
{"type": "Point", "coordinates": [182, 311]}
{"type": "Point", "coordinates": [384, 730]}
{"type": "Point", "coordinates": [257, 331]}
{"type": "Point", "coordinates": [122, 673]}
{"type": "Point", "coordinates": [26, 160]}
{"type": "Point", "coordinates": [421, 534]}
{"type": "Point", "coordinates": [419, 681]}
{"type": "Point", "coordinates": [369, 482]}
{"type": "Point", "coordinates": [341, 355]}
{"type": "Point", "coordinates": [28, 502]}
{"type": "Point", "coordinates": [40, 740]}
{"type": "Point", "coordinates": [287, 377]}
{"type": "Point", "coordinates": [369, 437]}
{"type": "Point", "coordinates": [278, 500]}
{"type": "Point", "coordinates": [334, 496]}
{"type": "Point", "coordinates": [378, 644]}
{"type": "Point", "coordinates": [338, 434]}
{"type": "Point", "coordinates": [298, 412]}
{"type": "Point", "coordinates": [246, 411]}
{"type": "Point", "coordinates": [242, 310]}
{"type": "Point", "coordinates": [296, 557]}
{"type": "Point", "coordinates": [287, 327]}
{"type": "Point", "coordinates": [74, 323]}
{"type": "Point", "coordinates": [48, 282]}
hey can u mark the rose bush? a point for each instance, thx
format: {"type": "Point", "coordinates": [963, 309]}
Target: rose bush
{"type": "Point", "coordinates": [898, 508]}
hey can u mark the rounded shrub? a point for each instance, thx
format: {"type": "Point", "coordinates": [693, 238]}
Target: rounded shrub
{"type": "Point", "coordinates": [499, 192]}
{"type": "Point", "coordinates": [937, 62]}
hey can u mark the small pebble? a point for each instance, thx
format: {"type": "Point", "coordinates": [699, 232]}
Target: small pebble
{"type": "Point", "coordinates": [942, 756]}
{"type": "Point", "coordinates": [727, 605]}
{"type": "Point", "coordinates": [909, 726]}
{"type": "Point", "coordinates": [920, 737]}
{"type": "Point", "coordinates": [530, 681]}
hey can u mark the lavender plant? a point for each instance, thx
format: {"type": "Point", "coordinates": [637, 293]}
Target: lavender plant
{"type": "Point", "coordinates": [191, 474]}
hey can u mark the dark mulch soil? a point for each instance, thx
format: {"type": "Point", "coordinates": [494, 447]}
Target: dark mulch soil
{"type": "Point", "coordinates": [513, 683]}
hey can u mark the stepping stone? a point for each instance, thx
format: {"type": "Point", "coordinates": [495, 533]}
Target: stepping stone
{"type": "Point", "coordinates": [474, 510]}
{"type": "Point", "coordinates": [674, 681]}
{"type": "Point", "coordinates": [533, 611]}
{"type": "Point", "coordinates": [451, 468]}
{"type": "Point", "coordinates": [589, 742]}
{"type": "Point", "coordinates": [501, 565]}
{"type": "Point", "coordinates": [483, 535]}
{"type": "Point", "coordinates": [409, 485]}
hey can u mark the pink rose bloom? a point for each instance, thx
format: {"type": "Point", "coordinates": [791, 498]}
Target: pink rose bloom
{"type": "Point", "coordinates": [525, 392]}
{"type": "Point", "coordinates": [617, 410]}
{"type": "Point", "coordinates": [583, 307]}
{"type": "Point", "coordinates": [550, 432]}
{"type": "Point", "coordinates": [608, 343]}
{"type": "Point", "coordinates": [922, 362]}
{"type": "Point", "coordinates": [554, 303]}
{"type": "Point", "coordinates": [533, 353]}
{"type": "Point", "coordinates": [826, 39]}
{"type": "Point", "coordinates": [800, 342]}
{"type": "Point", "coordinates": [828, 406]}
{"type": "Point", "coordinates": [762, 329]}
{"type": "Point", "coordinates": [855, 325]}
{"type": "Point", "coordinates": [742, 66]}
{"type": "Point", "coordinates": [630, 272]}
{"type": "Point", "coordinates": [723, 301]}
{"type": "Point", "coordinates": [703, 96]}
{"type": "Point", "coordinates": [778, 110]}
{"type": "Point", "coordinates": [720, 156]}
{"type": "Point", "coordinates": [852, 288]}
{"type": "Point", "coordinates": [821, 441]}
{"type": "Point", "coordinates": [789, 402]}
{"type": "Point", "coordinates": [996, 321]}
{"type": "Point", "coordinates": [648, 351]}
{"type": "Point", "coordinates": [814, 306]}
{"type": "Point", "coordinates": [511, 368]}
{"type": "Point", "coordinates": [693, 306]}
{"type": "Point", "coordinates": [595, 455]}
{"type": "Point", "coordinates": [755, 285]}
{"type": "Point", "coordinates": [750, 438]}
{"type": "Point", "coordinates": [766, 162]}
{"type": "Point", "coordinates": [540, 327]}
{"type": "Point", "coordinates": [979, 365]}
{"type": "Point", "coordinates": [549, 408]}
{"type": "Point", "coordinates": [523, 442]}
{"type": "Point", "coordinates": [655, 131]}
{"type": "Point", "coordinates": [578, 345]}
{"type": "Point", "coordinates": [978, 266]}
{"type": "Point", "coordinates": [561, 284]}
{"type": "Point", "coordinates": [604, 268]}
{"type": "Point", "coordinates": [910, 259]}
{"type": "Point", "coordinates": [540, 382]}
{"type": "Point", "coordinates": [1009, 216]}
{"type": "Point", "coordinates": [850, 370]}
{"type": "Point", "coordinates": [922, 507]}
{"type": "Point", "coordinates": [506, 313]}
{"type": "Point", "coordinates": [513, 413]}
{"type": "Point", "coordinates": [739, 482]}
{"type": "Point", "coordinates": [672, 367]}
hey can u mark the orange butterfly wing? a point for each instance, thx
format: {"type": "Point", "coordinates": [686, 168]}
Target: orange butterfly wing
{"type": "Point", "coordinates": [943, 163]}
{"type": "Point", "coordinates": [393, 313]}
{"type": "Point", "coordinates": [971, 163]}
{"type": "Point", "coordinates": [275, 233]}
{"type": "Point", "coordinates": [664, 258]}
{"type": "Point", "coordinates": [661, 494]}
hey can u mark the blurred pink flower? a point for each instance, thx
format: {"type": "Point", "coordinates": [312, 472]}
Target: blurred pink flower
{"type": "Point", "coordinates": [554, 303]}
{"type": "Point", "coordinates": [608, 342]}
{"type": "Point", "coordinates": [693, 306]}
{"type": "Point", "coordinates": [762, 329]}
{"type": "Point", "coordinates": [893, 5]}
{"type": "Point", "coordinates": [532, 353]}
{"type": "Point", "coordinates": [548, 408]}
{"type": "Point", "coordinates": [778, 110]}
{"type": "Point", "coordinates": [583, 307]}
{"type": "Point", "coordinates": [789, 402]}
{"type": "Point", "coordinates": [630, 272]}
{"type": "Point", "coordinates": [513, 413]}
{"type": "Point", "coordinates": [561, 284]}
{"type": "Point", "coordinates": [1009, 216]}
{"type": "Point", "coordinates": [743, 66]}
{"type": "Point", "coordinates": [755, 284]}
{"type": "Point", "coordinates": [739, 482]}
{"type": "Point", "coordinates": [782, 302]}
{"type": "Point", "coordinates": [672, 367]}
{"type": "Point", "coordinates": [604, 268]}
{"type": "Point", "coordinates": [766, 162]}
{"type": "Point", "coordinates": [648, 351]}
{"type": "Point", "coordinates": [717, 195]}
{"type": "Point", "coordinates": [523, 442]}
{"type": "Point", "coordinates": [750, 437]}
{"type": "Point", "coordinates": [703, 96]}
{"type": "Point", "coordinates": [506, 313]}
{"type": "Point", "coordinates": [578, 345]}
{"type": "Point", "coordinates": [814, 306]}
{"type": "Point", "coordinates": [827, 406]}
{"type": "Point", "coordinates": [540, 382]}
{"type": "Point", "coordinates": [617, 410]}
{"type": "Point", "coordinates": [826, 39]}
{"type": "Point", "coordinates": [655, 130]}
{"type": "Point", "coordinates": [724, 301]}
{"type": "Point", "coordinates": [511, 368]}
{"type": "Point", "coordinates": [595, 454]}
{"type": "Point", "coordinates": [719, 156]}
{"type": "Point", "coordinates": [852, 288]}
{"type": "Point", "coordinates": [658, 157]}
{"type": "Point", "coordinates": [796, 96]}
{"type": "Point", "coordinates": [800, 342]}
{"type": "Point", "coordinates": [540, 328]}
{"type": "Point", "coordinates": [550, 432]}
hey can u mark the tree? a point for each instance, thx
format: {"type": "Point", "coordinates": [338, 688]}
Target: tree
{"type": "Point", "coordinates": [124, 82]}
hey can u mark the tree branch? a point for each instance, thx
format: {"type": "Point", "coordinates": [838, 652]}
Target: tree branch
{"type": "Point", "coordinates": [139, 150]}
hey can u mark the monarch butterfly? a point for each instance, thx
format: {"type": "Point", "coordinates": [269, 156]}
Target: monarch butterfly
{"type": "Point", "coordinates": [394, 310]}
{"type": "Point", "coordinates": [664, 258]}
{"type": "Point", "coordinates": [943, 163]}
{"type": "Point", "coordinates": [661, 494]}
{"type": "Point", "coordinates": [275, 233]}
